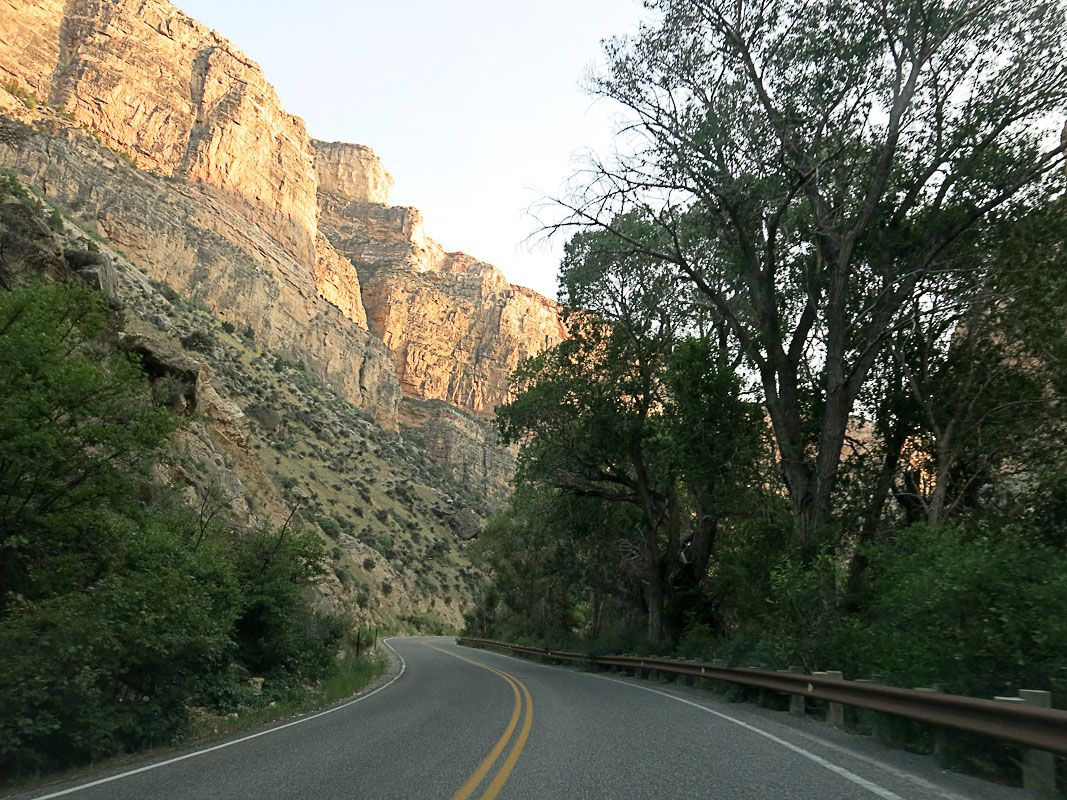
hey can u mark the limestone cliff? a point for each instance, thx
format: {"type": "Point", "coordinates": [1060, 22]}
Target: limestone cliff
{"type": "Point", "coordinates": [223, 203]}
{"type": "Point", "coordinates": [351, 170]}
{"type": "Point", "coordinates": [161, 136]}
{"type": "Point", "coordinates": [173, 95]}
{"type": "Point", "coordinates": [466, 447]}
{"type": "Point", "coordinates": [455, 326]}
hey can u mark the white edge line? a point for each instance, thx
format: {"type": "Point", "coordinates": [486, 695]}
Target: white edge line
{"type": "Point", "coordinates": [822, 762]}
{"type": "Point", "coordinates": [403, 667]}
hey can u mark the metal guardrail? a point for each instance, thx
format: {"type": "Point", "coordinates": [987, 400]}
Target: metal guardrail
{"type": "Point", "coordinates": [1039, 728]}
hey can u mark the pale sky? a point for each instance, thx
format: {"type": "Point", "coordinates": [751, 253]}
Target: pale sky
{"type": "Point", "coordinates": [475, 107]}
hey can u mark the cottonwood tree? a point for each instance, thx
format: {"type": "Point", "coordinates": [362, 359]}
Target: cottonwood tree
{"type": "Point", "coordinates": [628, 410]}
{"type": "Point", "coordinates": [818, 170]}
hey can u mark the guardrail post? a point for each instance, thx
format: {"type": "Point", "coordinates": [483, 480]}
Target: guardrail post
{"type": "Point", "coordinates": [817, 674]}
{"type": "Point", "coordinates": [940, 733]}
{"type": "Point", "coordinates": [689, 680]}
{"type": "Point", "coordinates": [699, 681]}
{"type": "Point", "coordinates": [796, 701]}
{"type": "Point", "coordinates": [1039, 767]}
{"type": "Point", "coordinates": [717, 686]}
{"type": "Point", "coordinates": [874, 718]}
{"type": "Point", "coordinates": [835, 712]}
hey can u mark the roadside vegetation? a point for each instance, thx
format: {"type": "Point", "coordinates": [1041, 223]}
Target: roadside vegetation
{"type": "Point", "coordinates": [130, 618]}
{"type": "Point", "coordinates": [119, 613]}
{"type": "Point", "coordinates": [811, 410]}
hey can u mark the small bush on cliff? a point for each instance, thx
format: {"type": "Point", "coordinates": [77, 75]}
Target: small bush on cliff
{"type": "Point", "coordinates": [77, 258]}
{"type": "Point", "coordinates": [28, 98]}
{"type": "Point", "coordinates": [201, 341]}
{"type": "Point", "coordinates": [168, 292]}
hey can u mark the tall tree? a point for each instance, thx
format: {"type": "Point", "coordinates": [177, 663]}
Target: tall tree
{"type": "Point", "coordinates": [625, 412]}
{"type": "Point", "coordinates": [814, 169]}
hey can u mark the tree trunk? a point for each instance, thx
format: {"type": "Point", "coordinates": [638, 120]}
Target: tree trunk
{"type": "Point", "coordinates": [596, 613]}
{"type": "Point", "coordinates": [944, 462]}
{"type": "Point", "coordinates": [859, 562]}
{"type": "Point", "coordinates": [654, 597]}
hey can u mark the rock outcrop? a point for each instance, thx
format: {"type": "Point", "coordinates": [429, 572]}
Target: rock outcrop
{"type": "Point", "coordinates": [171, 94]}
{"type": "Point", "coordinates": [222, 202]}
{"type": "Point", "coordinates": [351, 170]}
{"type": "Point", "coordinates": [455, 326]}
{"type": "Point", "coordinates": [467, 447]}
{"type": "Point", "coordinates": [202, 244]}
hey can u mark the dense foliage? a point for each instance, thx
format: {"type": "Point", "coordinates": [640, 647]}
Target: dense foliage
{"type": "Point", "coordinates": [120, 606]}
{"type": "Point", "coordinates": [843, 220]}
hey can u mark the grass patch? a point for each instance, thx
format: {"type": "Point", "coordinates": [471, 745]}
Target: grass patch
{"type": "Point", "coordinates": [25, 96]}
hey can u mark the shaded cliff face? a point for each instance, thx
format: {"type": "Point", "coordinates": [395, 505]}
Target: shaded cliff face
{"type": "Point", "coordinates": [467, 448]}
{"type": "Point", "coordinates": [455, 326]}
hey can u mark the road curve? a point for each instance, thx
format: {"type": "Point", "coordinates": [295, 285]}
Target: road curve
{"type": "Point", "coordinates": [461, 723]}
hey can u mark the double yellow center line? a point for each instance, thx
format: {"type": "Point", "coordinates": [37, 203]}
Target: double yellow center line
{"type": "Point", "coordinates": [497, 783]}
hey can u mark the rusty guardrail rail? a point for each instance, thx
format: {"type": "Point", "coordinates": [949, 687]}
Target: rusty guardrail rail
{"type": "Point", "coordinates": [1039, 728]}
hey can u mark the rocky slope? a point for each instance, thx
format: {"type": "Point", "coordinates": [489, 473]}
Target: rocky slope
{"type": "Point", "coordinates": [159, 139]}
{"type": "Point", "coordinates": [262, 437]}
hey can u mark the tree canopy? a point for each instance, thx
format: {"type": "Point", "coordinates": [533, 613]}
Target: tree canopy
{"type": "Point", "coordinates": [844, 220]}
{"type": "Point", "coordinates": [819, 171]}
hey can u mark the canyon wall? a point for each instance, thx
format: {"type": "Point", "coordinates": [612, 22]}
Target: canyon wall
{"type": "Point", "coordinates": [455, 326]}
{"type": "Point", "coordinates": [188, 236]}
{"type": "Point", "coordinates": [160, 135]}
{"type": "Point", "coordinates": [351, 170]}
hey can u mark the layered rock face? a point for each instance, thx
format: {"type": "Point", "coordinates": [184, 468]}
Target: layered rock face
{"type": "Point", "coordinates": [233, 205]}
{"type": "Point", "coordinates": [468, 448]}
{"type": "Point", "coordinates": [351, 170]}
{"type": "Point", "coordinates": [204, 247]}
{"type": "Point", "coordinates": [178, 98]}
{"type": "Point", "coordinates": [455, 326]}
{"type": "Point", "coordinates": [240, 232]}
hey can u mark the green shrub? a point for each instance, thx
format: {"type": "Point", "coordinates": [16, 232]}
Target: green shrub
{"type": "Point", "coordinates": [79, 259]}
{"type": "Point", "coordinates": [965, 609]}
{"type": "Point", "coordinates": [329, 526]}
{"type": "Point", "coordinates": [27, 97]}
{"type": "Point", "coordinates": [168, 292]}
{"type": "Point", "coordinates": [117, 607]}
{"type": "Point", "coordinates": [201, 341]}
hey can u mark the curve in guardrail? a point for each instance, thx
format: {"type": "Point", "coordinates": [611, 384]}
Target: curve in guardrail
{"type": "Point", "coordinates": [1039, 728]}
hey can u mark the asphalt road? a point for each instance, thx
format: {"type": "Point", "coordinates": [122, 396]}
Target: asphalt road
{"type": "Point", "coordinates": [459, 723]}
